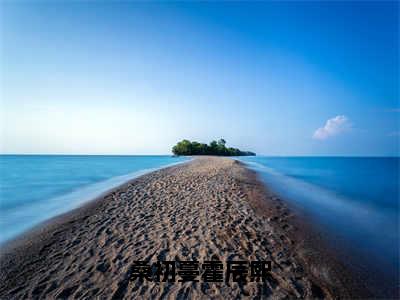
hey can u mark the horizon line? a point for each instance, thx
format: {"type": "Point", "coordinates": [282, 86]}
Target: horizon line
{"type": "Point", "coordinates": [259, 155]}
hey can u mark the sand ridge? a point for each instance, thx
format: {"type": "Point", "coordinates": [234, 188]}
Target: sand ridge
{"type": "Point", "coordinates": [205, 209]}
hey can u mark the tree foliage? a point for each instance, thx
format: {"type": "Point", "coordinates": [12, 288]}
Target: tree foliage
{"type": "Point", "coordinates": [186, 147]}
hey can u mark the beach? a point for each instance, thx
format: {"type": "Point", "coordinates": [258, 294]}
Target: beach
{"type": "Point", "coordinates": [206, 209]}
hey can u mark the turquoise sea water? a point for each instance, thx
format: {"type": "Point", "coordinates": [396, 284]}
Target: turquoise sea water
{"type": "Point", "coordinates": [353, 200]}
{"type": "Point", "coordinates": [34, 188]}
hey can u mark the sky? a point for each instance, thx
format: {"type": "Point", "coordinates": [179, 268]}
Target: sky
{"type": "Point", "coordinates": [276, 78]}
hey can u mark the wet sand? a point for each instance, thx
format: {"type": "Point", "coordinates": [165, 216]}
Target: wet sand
{"type": "Point", "coordinates": [209, 208]}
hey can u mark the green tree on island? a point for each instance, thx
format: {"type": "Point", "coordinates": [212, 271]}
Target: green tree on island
{"type": "Point", "coordinates": [186, 147]}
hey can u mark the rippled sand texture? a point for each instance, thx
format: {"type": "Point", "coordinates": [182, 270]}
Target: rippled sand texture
{"type": "Point", "coordinates": [203, 210]}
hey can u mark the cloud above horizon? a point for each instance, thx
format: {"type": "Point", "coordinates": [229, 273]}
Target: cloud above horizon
{"type": "Point", "coordinates": [333, 126]}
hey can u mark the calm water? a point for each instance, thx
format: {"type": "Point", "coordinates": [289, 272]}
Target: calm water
{"type": "Point", "coordinates": [355, 200]}
{"type": "Point", "coordinates": [34, 188]}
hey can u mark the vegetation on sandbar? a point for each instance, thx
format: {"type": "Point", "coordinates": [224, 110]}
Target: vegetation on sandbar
{"type": "Point", "coordinates": [186, 147]}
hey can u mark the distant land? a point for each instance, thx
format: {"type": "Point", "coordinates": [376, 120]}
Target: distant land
{"type": "Point", "coordinates": [186, 147]}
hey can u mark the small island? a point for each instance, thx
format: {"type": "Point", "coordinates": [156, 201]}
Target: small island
{"type": "Point", "coordinates": [186, 147]}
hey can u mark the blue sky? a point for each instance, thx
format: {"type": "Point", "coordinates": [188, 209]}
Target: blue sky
{"type": "Point", "coordinates": [312, 78]}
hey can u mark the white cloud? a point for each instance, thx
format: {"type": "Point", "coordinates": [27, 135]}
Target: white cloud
{"type": "Point", "coordinates": [332, 127]}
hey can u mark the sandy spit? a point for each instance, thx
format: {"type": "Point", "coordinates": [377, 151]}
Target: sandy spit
{"type": "Point", "coordinates": [209, 208]}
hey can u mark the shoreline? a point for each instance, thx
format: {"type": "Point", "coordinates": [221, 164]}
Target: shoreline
{"type": "Point", "coordinates": [309, 243]}
{"type": "Point", "coordinates": [373, 276]}
{"type": "Point", "coordinates": [88, 196]}
{"type": "Point", "coordinates": [61, 218]}
{"type": "Point", "coordinates": [269, 229]}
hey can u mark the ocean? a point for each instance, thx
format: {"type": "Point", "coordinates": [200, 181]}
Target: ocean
{"type": "Point", "coordinates": [34, 188]}
{"type": "Point", "coordinates": [353, 200]}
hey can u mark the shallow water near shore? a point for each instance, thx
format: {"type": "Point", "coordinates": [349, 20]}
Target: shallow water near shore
{"type": "Point", "coordinates": [354, 200]}
{"type": "Point", "coordinates": [34, 188]}
{"type": "Point", "coordinates": [202, 210]}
